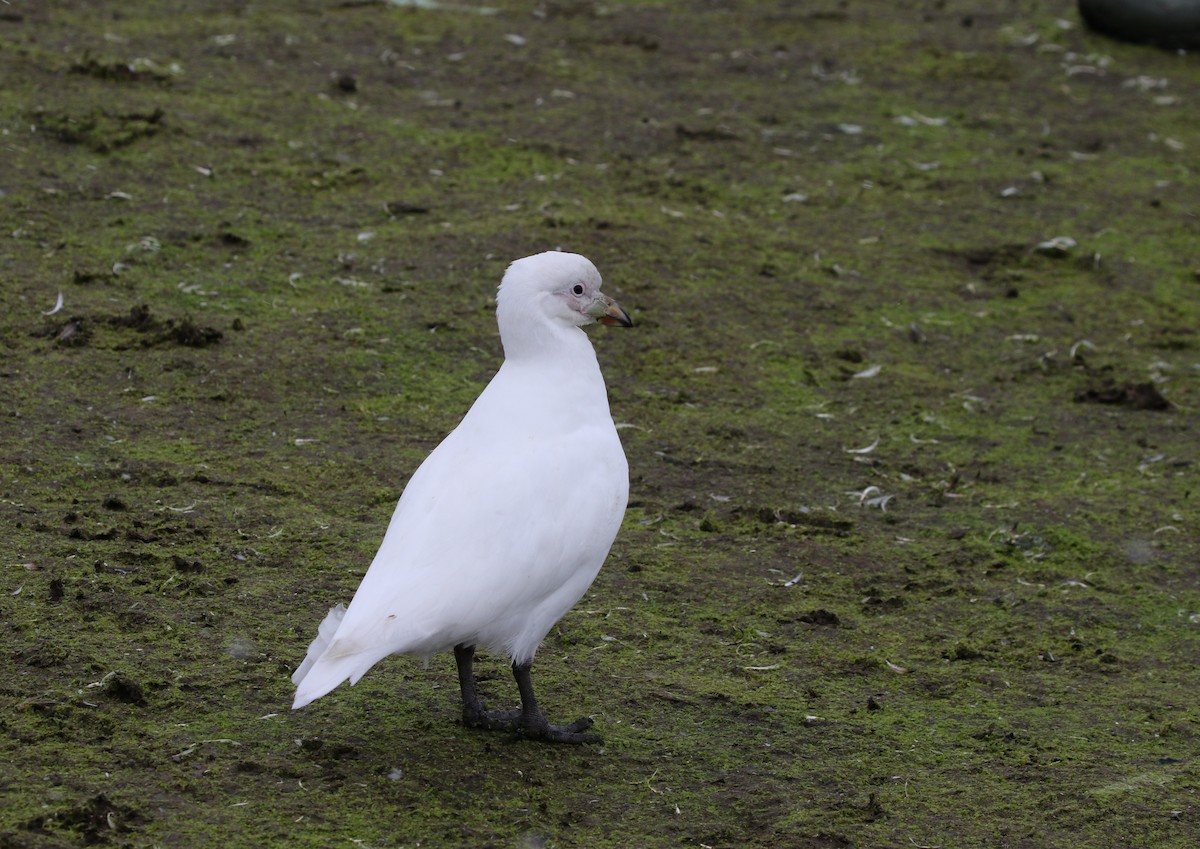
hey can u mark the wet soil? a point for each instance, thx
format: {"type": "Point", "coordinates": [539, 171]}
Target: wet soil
{"type": "Point", "coordinates": [910, 408]}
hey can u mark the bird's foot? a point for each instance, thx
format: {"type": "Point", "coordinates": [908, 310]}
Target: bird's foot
{"type": "Point", "coordinates": [474, 716]}
{"type": "Point", "coordinates": [529, 726]}
{"type": "Point", "coordinates": [527, 721]}
{"type": "Point", "coordinates": [538, 728]}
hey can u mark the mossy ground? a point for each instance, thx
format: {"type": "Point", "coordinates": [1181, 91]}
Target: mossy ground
{"type": "Point", "coordinates": [911, 555]}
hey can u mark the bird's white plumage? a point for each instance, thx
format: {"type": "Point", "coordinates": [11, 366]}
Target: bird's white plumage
{"type": "Point", "coordinates": [506, 523]}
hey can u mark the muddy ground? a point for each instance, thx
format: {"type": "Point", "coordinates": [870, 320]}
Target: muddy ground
{"type": "Point", "coordinates": [910, 408]}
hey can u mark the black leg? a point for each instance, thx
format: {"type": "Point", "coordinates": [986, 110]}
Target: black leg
{"type": "Point", "coordinates": [527, 720]}
{"type": "Point", "coordinates": [474, 715]}
{"type": "Point", "coordinates": [464, 656]}
{"type": "Point", "coordinates": [534, 723]}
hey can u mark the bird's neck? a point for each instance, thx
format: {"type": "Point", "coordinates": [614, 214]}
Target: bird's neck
{"type": "Point", "coordinates": [564, 376]}
{"type": "Point", "coordinates": [549, 343]}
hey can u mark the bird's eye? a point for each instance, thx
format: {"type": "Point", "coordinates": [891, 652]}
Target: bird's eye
{"type": "Point", "coordinates": [577, 288]}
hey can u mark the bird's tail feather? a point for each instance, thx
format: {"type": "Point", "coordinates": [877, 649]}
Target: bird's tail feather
{"type": "Point", "coordinates": [317, 675]}
{"type": "Point", "coordinates": [316, 648]}
{"type": "Point", "coordinates": [330, 660]}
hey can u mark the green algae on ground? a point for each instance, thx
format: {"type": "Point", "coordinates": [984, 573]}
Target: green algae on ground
{"type": "Point", "coordinates": [907, 562]}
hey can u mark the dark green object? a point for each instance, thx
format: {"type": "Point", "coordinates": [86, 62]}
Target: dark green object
{"type": "Point", "coordinates": [1168, 23]}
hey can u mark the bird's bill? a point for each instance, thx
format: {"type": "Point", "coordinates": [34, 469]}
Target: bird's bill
{"type": "Point", "coordinates": [607, 311]}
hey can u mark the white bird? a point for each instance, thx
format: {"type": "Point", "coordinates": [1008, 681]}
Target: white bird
{"type": "Point", "coordinates": [506, 523]}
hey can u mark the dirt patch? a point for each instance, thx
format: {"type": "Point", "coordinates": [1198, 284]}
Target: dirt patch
{"type": "Point", "coordinates": [909, 408]}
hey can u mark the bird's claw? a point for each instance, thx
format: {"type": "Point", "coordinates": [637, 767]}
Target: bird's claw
{"type": "Point", "coordinates": [491, 720]}
{"type": "Point", "coordinates": [573, 733]}
{"type": "Point", "coordinates": [533, 727]}
{"type": "Point", "coordinates": [537, 728]}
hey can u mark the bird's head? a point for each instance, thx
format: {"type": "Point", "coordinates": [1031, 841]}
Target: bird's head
{"type": "Point", "coordinates": [560, 286]}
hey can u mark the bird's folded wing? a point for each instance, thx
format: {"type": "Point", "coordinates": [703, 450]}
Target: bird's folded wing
{"type": "Point", "coordinates": [484, 533]}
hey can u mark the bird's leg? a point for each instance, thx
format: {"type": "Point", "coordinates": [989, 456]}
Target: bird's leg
{"type": "Point", "coordinates": [474, 715]}
{"type": "Point", "coordinates": [527, 720]}
{"type": "Point", "coordinates": [464, 656]}
{"type": "Point", "coordinates": [533, 722]}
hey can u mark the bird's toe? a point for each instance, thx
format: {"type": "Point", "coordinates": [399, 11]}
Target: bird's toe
{"type": "Point", "coordinates": [492, 720]}
{"type": "Point", "coordinates": [537, 728]}
{"type": "Point", "coordinates": [572, 734]}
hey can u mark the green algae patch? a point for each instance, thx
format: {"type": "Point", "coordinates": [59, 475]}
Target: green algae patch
{"type": "Point", "coordinates": [910, 557]}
